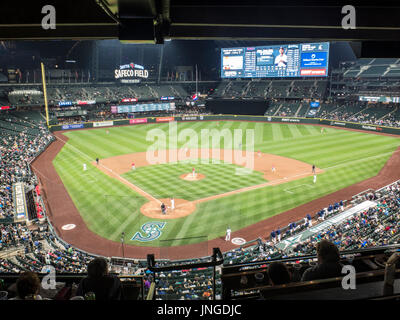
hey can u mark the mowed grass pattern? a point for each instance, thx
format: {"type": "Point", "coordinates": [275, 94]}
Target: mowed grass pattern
{"type": "Point", "coordinates": [109, 207]}
{"type": "Point", "coordinates": [163, 181]}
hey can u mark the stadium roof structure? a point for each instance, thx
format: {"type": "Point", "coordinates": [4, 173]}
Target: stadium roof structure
{"type": "Point", "coordinates": [155, 20]}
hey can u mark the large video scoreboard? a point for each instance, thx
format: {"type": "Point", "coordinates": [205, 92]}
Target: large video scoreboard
{"type": "Point", "coordinates": [289, 60]}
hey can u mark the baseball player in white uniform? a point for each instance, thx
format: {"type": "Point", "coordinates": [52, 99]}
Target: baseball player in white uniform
{"type": "Point", "coordinates": [84, 167]}
{"type": "Point", "coordinates": [228, 234]}
{"type": "Point", "coordinates": [315, 178]}
{"type": "Point", "coordinates": [281, 60]}
{"type": "Point", "coordinates": [172, 204]}
{"type": "Point", "coordinates": [193, 172]}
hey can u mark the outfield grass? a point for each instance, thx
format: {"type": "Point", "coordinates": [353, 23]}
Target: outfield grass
{"type": "Point", "coordinates": [108, 207]}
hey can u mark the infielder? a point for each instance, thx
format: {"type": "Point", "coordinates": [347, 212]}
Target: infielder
{"type": "Point", "coordinates": [273, 168]}
{"type": "Point", "coordinates": [228, 234]}
{"type": "Point", "coordinates": [172, 204]}
{"type": "Point", "coordinates": [84, 167]}
{"type": "Point", "coordinates": [315, 178]}
{"type": "Point", "coordinates": [313, 168]}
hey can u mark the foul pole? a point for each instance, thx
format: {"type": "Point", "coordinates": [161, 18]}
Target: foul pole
{"type": "Point", "coordinates": [45, 94]}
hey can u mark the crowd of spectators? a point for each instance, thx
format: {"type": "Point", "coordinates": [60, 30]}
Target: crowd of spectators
{"type": "Point", "coordinates": [360, 112]}
{"type": "Point", "coordinates": [188, 284]}
{"type": "Point", "coordinates": [20, 142]}
{"type": "Point", "coordinates": [103, 113]}
{"type": "Point", "coordinates": [89, 92]}
{"type": "Point", "coordinates": [377, 226]}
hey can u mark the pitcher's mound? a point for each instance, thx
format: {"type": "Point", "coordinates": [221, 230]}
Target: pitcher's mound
{"type": "Point", "coordinates": [189, 176]}
{"type": "Point", "coordinates": [183, 208]}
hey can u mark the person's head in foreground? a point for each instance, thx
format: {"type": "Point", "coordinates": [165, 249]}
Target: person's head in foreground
{"type": "Point", "coordinates": [278, 273]}
{"type": "Point", "coordinates": [28, 286]}
{"type": "Point", "coordinates": [327, 252]}
{"type": "Point", "coordinates": [97, 268]}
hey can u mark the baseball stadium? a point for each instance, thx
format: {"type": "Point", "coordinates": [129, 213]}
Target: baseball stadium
{"type": "Point", "coordinates": [195, 163]}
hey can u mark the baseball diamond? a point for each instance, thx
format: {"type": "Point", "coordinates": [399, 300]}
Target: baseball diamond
{"type": "Point", "coordinates": [228, 151]}
{"type": "Point", "coordinates": [113, 199]}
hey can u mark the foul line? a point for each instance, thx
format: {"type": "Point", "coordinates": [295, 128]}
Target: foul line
{"type": "Point", "coordinates": [278, 180]}
{"type": "Point", "coordinates": [294, 187]}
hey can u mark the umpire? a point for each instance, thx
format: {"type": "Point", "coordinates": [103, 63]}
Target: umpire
{"type": "Point", "coordinates": [163, 209]}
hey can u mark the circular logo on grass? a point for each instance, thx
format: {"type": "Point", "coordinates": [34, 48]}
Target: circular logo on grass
{"type": "Point", "coordinates": [238, 241]}
{"type": "Point", "coordinates": [68, 226]}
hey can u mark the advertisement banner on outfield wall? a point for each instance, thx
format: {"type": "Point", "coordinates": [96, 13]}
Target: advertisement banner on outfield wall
{"type": "Point", "coordinates": [336, 123]}
{"type": "Point", "coordinates": [290, 120]}
{"type": "Point", "coordinates": [373, 128]}
{"type": "Point", "coordinates": [364, 127]}
{"type": "Point", "coordinates": [189, 118]}
{"type": "Point", "coordinates": [72, 126]}
{"type": "Point", "coordinates": [79, 102]}
{"type": "Point", "coordinates": [136, 121]}
{"type": "Point", "coordinates": [164, 119]}
{"type": "Point", "coordinates": [103, 124]}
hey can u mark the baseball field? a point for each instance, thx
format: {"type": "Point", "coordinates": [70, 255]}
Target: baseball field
{"type": "Point", "coordinates": [112, 197]}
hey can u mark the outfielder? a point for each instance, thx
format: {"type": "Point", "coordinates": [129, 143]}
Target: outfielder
{"type": "Point", "coordinates": [228, 234]}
